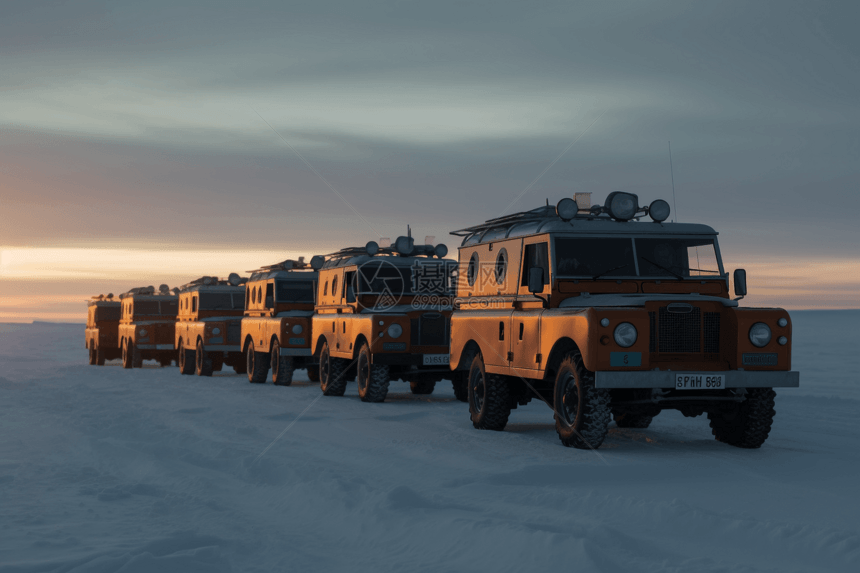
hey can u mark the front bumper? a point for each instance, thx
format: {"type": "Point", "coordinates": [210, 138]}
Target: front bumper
{"type": "Point", "coordinates": [665, 379]}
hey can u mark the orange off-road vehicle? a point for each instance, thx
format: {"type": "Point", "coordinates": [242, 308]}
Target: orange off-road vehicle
{"type": "Point", "coordinates": [147, 326]}
{"type": "Point", "coordinates": [208, 327]}
{"type": "Point", "coordinates": [383, 314]}
{"type": "Point", "coordinates": [276, 329]}
{"type": "Point", "coordinates": [600, 316]}
{"type": "Point", "coordinates": [102, 326]}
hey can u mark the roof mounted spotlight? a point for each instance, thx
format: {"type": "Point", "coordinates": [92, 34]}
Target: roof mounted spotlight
{"type": "Point", "coordinates": [233, 279]}
{"type": "Point", "coordinates": [372, 247]}
{"type": "Point", "coordinates": [317, 262]}
{"type": "Point", "coordinates": [659, 210]}
{"type": "Point", "coordinates": [404, 246]}
{"type": "Point", "coordinates": [440, 251]}
{"type": "Point", "coordinates": [567, 209]}
{"type": "Point", "coordinates": [622, 206]}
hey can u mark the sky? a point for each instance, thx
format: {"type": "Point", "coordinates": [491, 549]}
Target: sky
{"type": "Point", "coordinates": [148, 143]}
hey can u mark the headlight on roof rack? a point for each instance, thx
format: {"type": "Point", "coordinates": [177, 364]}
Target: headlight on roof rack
{"type": "Point", "coordinates": [622, 206]}
{"type": "Point", "coordinates": [659, 210]}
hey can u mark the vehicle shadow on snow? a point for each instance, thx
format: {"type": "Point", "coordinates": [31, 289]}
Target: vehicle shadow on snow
{"type": "Point", "coordinates": [628, 439]}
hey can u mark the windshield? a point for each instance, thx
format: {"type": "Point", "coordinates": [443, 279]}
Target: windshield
{"type": "Point", "coordinates": [594, 257]}
{"type": "Point", "coordinates": [680, 257]}
{"type": "Point", "coordinates": [221, 301]}
{"type": "Point", "coordinates": [107, 313]}
{"type": "Point", "coordinates": [154, 308]}
{"type": "Point", "coordinates": [294, 291]}
{"type": "Point", "coordinates": [655, 257]}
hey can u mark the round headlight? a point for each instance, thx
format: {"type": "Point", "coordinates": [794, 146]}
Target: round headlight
{"type": "Point", "coordinates": [659, 210]}
{"type": "Point", "coordinates": [297, 329]}
{"type": "Point", "coordinates": [625, 335]}
{"type": "Point", "coordinates": [623, 206]}
{"type": "Point", "coordinates": [760, 334]}
{"type": "Point", "coordinates": [216, 330]}
{"type": "Point", "coordinates": [604, 322]}
{"type": "Point", "coordinates": [395, 330]}
{"type": "Point", "coordinates": [566, 209]}
{"type": "Point", "coordinates": [142, 332]}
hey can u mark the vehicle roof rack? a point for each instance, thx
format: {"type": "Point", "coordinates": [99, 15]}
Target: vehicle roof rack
{"type": "Point", "coordinates": [292, 265]}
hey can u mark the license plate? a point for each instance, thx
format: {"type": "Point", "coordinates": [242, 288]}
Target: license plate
{"type": "Point", "coordinates": [432, 359]}
{"type": "Point", "coordinates": [699, 381]}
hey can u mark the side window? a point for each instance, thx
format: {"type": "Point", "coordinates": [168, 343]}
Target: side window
{"type": "Point", "coordinates": [501, 266]}
{"type": "Point", "coordinates": [536, 255]}
{"type": "Point", "coordinates": [247, 297]}
{"type": "Point", "coordinates": [194, 304]}
{"type": "Point", "coordinates": [325, 289]}
{"type": "Point", "coordinates": [472, 272]}
{"type": "Point", "coordinates": [270, 295]}
{"type": "Point", "coordinates": [334, 287]}
{"type": "Point", "coordinates": [349, 286]}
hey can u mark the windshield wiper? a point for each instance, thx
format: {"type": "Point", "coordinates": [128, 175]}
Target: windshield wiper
{"type": "Point", "coordinates": [673, 273]}
{"type": "Point", "coordinates": [597, 276]}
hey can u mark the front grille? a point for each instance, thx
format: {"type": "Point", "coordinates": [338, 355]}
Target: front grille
{"type": "Point", "coordinates": [234, 333]}
{"type": "Point", "coordinates": [684, 333]}
{"type": "Point", "coordinates": [712, 332]}
{"type": "Point", "coordinates": [429, 330]}
{"type": "Point", "coordinates": [680, 332]}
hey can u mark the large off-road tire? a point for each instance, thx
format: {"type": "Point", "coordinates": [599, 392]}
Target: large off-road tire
{"type": "Point", "coordinates": [314, 373]}
{"type": "Point", "coordinates": [92, 357]}
{"type": "Point", "coordinates": [489, 398]}
{"type": "Point", "coordinates": [126, 355]}
{"type": "Point", "coordinates": [582, 411]}
{"type": "Point", "coordinates": [100, 356]}
{"type": "Point", "coordinates": [165, 361]}
{"type": "Point", "coordinates": [136, 356]}
{"type": "Point", "coordinates": [628, 420]}
{"type": "Point", "coordinates": [240, 366]}
{"type": "Point", "coordinates": [202, 360]}
{"type": "Point", "coordinates": [257, 364]}
{"type": "Point", "coordinates": [282, 366]}
{"type": "Point", "coordinates": [217, 361]}
{"type": "Point", "coordinates": [332, 373]}
{"type": "Point", "coordinates": [422, 387]}
{"type": "Point", "coordinates": [185, 359]}
{"type": "Point", "coordinates": [460, 382]}
{"type": "Point", "coordinates": [131, 356]}
{"type": "Point", "coordinates": [373, 379]}
{"type": "Point", "coordinates": [747, 424]}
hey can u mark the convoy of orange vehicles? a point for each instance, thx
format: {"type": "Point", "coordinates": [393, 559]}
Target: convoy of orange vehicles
{"type": "Point", "coordinates": [584, 307]}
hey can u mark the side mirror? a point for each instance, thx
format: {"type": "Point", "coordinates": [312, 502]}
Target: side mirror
{"type": "Point", "coordinates": [536, 280]}
{"type": "Point", "coordinates": [740, 280]}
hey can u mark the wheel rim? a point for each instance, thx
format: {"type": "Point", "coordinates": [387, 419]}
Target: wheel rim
{"type": "Point", "coordinates": [124, 352]}
{"type": "Point", "coordinates": [569, 398]}
{"type": "Point", "coordinates": [250, 361]}
{"type": "Point", "coordinates": [181, 356]}
{"type": "Point", "coordinates": [199, 357]}
{"type": "Point", "coordinates": [478, 387]}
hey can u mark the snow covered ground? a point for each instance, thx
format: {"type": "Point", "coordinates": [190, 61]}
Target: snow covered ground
{"type": "Point", "coordinates": [104, 469]}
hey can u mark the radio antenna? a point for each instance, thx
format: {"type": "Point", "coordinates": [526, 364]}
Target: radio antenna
{"type": "Point", "coordinates": [672, 171]}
